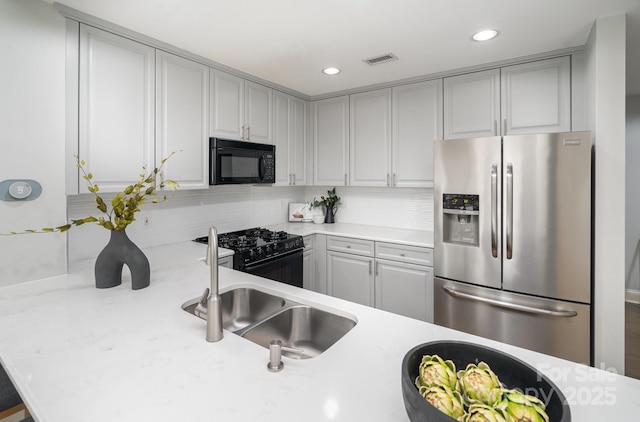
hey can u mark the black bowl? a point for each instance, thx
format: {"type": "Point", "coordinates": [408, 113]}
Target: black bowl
{"type": "Point", "coordinates": [512, 372]}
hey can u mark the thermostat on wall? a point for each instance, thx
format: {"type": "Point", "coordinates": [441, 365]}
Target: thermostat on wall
{"type": "Point", "coordinates": [19, 190]}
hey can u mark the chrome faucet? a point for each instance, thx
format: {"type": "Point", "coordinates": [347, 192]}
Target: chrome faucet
{"type": "Point", "coordinates": [209, 306]}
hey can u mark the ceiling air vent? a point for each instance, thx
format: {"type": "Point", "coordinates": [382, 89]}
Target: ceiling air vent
{"type": "Point", "coordinates": [381, 59]}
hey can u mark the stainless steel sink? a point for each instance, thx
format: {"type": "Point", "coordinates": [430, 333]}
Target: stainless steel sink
{"type": "Point", "coordinates": [243, 307]}
{"type": "Point", "coordinates": [302, 327]}
{"type": "Point", "coordinates": [261, 317]}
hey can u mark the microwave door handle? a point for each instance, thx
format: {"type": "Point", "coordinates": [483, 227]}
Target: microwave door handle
{"type": "Point", "coordinates": [509, 222]}
{"type": "Point", "coordinates": [494, 210]}
{"type": "Point", "coordinates": [261, 168]}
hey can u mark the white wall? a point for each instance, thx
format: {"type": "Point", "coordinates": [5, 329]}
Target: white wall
{"type": "Point", "coordinates": [632, 220]}
{"type": "Point", "coordinates": [606, 114]}
{"type": "Point", "coordinates": [403, 208]}
{"type": "Point", "coordinates": [187, 215]}
{"type": "Point", "coordinates": [32, 115]}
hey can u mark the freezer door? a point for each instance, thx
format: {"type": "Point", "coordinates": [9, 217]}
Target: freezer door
{"type": "Point", "coordinates": [561, 329]}
{"type": "Point", "coordinates": [467, 241]}
{"type": "Point", "coordinates": [547, 215]}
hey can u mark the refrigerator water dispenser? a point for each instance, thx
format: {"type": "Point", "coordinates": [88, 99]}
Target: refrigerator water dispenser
{"type": "Point", "coordinates": [460, 214]}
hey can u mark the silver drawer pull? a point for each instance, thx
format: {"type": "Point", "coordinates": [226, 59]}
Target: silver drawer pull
{"type": "Point", "coordinates": [348, 246]}
{"type": "Point", "coordinates": [403, 255]}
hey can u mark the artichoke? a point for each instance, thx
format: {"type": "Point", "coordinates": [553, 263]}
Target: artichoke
{"type": "Point", "coordinates": [480, 384]}
{"type": "Point", "coordinates": [433, 371]}
{"type": "Point", "coordinates": [522, 407]}
{"type": "Point", "coordinates": [480, 412]}
{"type": "Point", "coordinates": [444, 399]}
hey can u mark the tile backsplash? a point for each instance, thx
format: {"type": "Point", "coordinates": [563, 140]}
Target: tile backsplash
{"type": "Point", "coordinates": [189, 213]}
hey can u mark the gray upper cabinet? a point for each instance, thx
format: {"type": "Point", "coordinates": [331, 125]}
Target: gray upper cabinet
{"type": "Point", "coordinates": [536, 97]}
{"type": "Point", "coordinates": [528, 98]}
{"type": "Point", "coordinates": [136, 105]}
{"type": "Point", "coordinates": [331, 141]}
{"type": "Point", "coordinates": [182, 119]}
{"type": "Point", "coordinates": [290, 139]}
{"type": "Point", "coordinates": [240, 110]}
{"type": "Point", "coordinates": [227, 105]}
{"type": "Point", "coordinates": [370, 138]}
{"type": "Point", "coordinates": [416, 123]}
{"type": "Point", "coordinates": [472, 104]}
{"type": "Point", "coordinates": [116, 108]}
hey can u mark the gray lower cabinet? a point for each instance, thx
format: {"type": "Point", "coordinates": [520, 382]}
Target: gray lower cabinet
{"type": "Point", "coordinates": [404, 289]}
{"type": "Point", "coordinates": [227, 261]}
{"type": "Point", "coordinates": [309, 264]}
{"type": "Point", "coordinates": [393, 277]}
{"type": "Point", "coordinates": [350, 277]}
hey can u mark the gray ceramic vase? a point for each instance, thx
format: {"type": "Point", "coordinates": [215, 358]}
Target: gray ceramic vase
{"type": "Point", "coordinates": [330, 215]}
{"type": "Point", "coordinates": [120, 251]}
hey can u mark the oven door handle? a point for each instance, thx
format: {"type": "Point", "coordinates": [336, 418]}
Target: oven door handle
{"type": "Point", "coordinates": [271, 258]}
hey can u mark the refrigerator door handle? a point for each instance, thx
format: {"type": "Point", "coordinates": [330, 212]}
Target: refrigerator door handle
{"type": "Point", "coordinates": [494, 210]}
{"type": "Point", "coordinates": [508, 305]}
{"type": "Point", "coordinates": [509, 210]}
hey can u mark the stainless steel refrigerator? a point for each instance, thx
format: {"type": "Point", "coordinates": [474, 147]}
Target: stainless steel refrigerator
{"type": "Point", "coordinates": [513, 240]}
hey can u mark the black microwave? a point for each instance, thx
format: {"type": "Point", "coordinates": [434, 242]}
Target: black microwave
{"type": "Point", "coordinates": [237, 162]}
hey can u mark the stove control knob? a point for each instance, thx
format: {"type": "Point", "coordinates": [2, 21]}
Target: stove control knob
{"type": "Point", "coordinates": [268, 249]}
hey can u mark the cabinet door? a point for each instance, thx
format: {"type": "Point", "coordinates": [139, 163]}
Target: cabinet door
{"type": "Point", "coordinates": [116, 108]}
{"type": "Point", "coordinates": [350, 277]}
{"type": "Point", "coordinates": [405, 289]}
{"type": "Point", "coordinates": [298, 142]}
{"type": "Point", "coordinates": [370, 138]}
{"type": "Point", "coordinates": [281, 137]}
{"type": "Point", "coordinates": [182, 119]}
{"type": "Point", "coordinates": [227, 105]}
{"type": "Point", "coordinates": [536, 97]}
{"type": "Point", "coordinates": [331, 141]}
{"type": "Point", "coordinates": [258, 111]}
{"type": "Point", "coordinates": [472, 105]}
{"type": "Point", "coordinates": [417, 122]}
{"type": "Point", "coordinates": [308, 270]}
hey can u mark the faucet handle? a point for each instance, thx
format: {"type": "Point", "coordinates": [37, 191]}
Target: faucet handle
{"type": "Point", "coordinates": [201, 308]}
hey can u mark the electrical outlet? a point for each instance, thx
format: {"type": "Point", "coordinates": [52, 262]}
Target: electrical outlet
{"type": "Point", "coordinates": [146, 221]}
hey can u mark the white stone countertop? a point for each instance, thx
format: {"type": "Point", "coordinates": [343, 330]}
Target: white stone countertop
{"type": "Point", "coordinates": [376, 233]}
{"type": "Point", "coordinates": [77, 353]}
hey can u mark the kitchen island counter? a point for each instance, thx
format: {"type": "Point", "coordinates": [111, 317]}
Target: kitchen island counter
{"type": "Point", "coordinates": [77, 353]}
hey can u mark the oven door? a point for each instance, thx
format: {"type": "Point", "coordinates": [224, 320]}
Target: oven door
{"type": "Point", "coordinates": [283, 268]}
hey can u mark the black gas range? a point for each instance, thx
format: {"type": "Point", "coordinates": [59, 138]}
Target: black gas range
{"type": "Point", "coordinates": [276, 255]}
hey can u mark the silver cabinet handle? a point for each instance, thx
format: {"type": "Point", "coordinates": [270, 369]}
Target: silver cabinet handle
{"type": "Point", "coordinates": [248, 133]}
{"type": "Point", "coordinates": [345, 179]}
{"type": "Point", "coordinates": [293, 179]}
{"type": "Point", "coordinates": [509, 219]}
{"type": "Point", "coordinates": [388, 179]}
{"type": "Point", "coordinates": [377, 267]}
{"type": "Point", "coordinates": [509, 305]}
{"type": "Point", "coordinates": [369, 266]}
{"type": "Point", "coordinates": [243, 138]}
{"type": "Point", "coordinates": [504, 127]}
{"type": "Point", "coordinates": [494, 210]}
{"type": "Point", "coordinates": [348, 246]}
{"type": "Point", "coordinates": [395, 180]}
{"type": "Point", "coordinates": [495, 127]}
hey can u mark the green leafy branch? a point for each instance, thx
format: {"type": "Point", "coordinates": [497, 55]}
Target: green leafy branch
{"type": "Point", "coordinates": [124, 205]}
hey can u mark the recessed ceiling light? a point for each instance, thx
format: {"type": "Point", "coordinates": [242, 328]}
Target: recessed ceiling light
{"type": "Point", "coordinates": [330, 70]}
{"type": "Point", "coordinates": [485, 35]}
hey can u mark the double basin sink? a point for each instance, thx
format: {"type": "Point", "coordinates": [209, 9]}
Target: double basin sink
{"type": "Point", "coordinates": [261, 317]}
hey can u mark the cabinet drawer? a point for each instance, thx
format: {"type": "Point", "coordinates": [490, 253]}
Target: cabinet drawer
{"type": "Point", "coordinates": [309, 242]}
{"type": "Point", "coordinates": [405, 253]}
{"type": "Point", "coordinates": [349, 245]}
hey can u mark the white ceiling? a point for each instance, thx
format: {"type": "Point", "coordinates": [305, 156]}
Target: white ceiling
{"type": "Point", "coordinates": [289, 41]}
